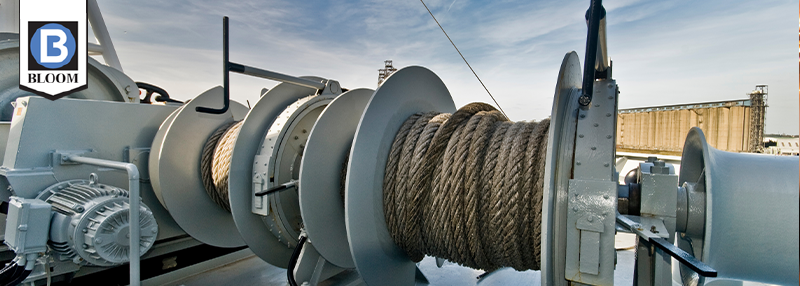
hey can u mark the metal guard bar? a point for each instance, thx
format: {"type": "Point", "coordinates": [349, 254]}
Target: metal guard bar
{"type": "Point", "coordinates": [228, 66]}
{"type": "Point", "coordinates": [133, 189]}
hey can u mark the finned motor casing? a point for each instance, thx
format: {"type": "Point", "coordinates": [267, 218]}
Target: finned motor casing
{"type": "Point", "coordinates": [90, 223]}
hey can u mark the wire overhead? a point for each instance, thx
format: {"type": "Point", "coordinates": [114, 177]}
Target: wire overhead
{"type": "Point", "coordinates": [465, 60]}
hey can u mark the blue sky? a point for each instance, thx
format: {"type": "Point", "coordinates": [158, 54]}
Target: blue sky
{"type": "Point", "coordinates": [664, 52]}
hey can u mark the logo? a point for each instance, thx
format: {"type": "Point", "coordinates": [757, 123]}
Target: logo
{"type": "Point", "coordinates": [53, 47]}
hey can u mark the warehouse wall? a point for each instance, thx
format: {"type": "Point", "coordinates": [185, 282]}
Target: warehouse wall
{"type": "Point", "coordinates": [664, 131]}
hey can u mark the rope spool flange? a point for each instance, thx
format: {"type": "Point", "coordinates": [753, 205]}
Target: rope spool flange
{"type": "Point", "coordinates": [320, 178]}
{"type": "Point", "coordinates": [178, 171]}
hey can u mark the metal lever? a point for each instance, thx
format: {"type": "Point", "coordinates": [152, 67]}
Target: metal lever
{"type": "Point", "coordinates": [278, 188]}
{"type": "Point", "coordinates": [226, 96]}
{"type": "Point", "coordinates": [228, 66]}
{"type": "Point", "coordinates": [595, 15]}
{"type": "Point", "coordinates": [684, 257]}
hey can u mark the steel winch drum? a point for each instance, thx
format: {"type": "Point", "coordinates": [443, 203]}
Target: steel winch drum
{"type": "Point", "coordinates": [742, 238]}
{"type": "Point", "coordinates": [415, 89]}
{"type": "Point", "coordinates": [176, 177]}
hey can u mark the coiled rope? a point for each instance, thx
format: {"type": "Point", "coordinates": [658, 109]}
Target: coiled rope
{"type": "Point", "coordinates": [215, 163]}
{"type": "Point", "coordinates": [467, 187]}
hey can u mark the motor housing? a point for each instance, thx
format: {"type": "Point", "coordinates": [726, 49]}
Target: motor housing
{"type": "Point", "coordinates": [90, 223]}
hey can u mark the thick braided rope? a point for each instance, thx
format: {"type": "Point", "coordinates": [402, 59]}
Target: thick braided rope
{"type": "Point", "coordinates": [215, 163]}
{"type": "Point", "coordinates": [467, 187]}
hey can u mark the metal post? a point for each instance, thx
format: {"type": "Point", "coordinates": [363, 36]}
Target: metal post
{"type": "Point", "coordinates": [133, 189]}
{"type": "Point", "coordinates": [101, 33]}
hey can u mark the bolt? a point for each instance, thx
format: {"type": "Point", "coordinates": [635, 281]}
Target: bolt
{"type": "Point", "coordinates": [580, 135]}
{"type": "Point", "coordinates": [610, 85]}
{"type": "Point", "coordinates": [608, 136]}
{"type": "Point", "coordinates": [85, 246]}
{"type": "Point", "coordinates": [578, 163]}
{"type": "Point", "coordinates": [608, 114]}
{"type": "Point", "coordinates": [605, 165]}
{"type": "Point", "coordinates": [653, 229]}
{"type": "Point", "coordinates": [610, 97]}
{"type": "Point", "coordinates": [595, 125]}
{"type": "Point", "coordinates": [85, 230]}
{"type": "Point", "coordinates": [304, 131]}
{"type": "Point", "coordinates": [296, 137]}
{"type": "Point", "coordinates": [590, 219]}
{"type": "Point", "coordinates": [594, 148]}
{"type": "Point", "coordinates": [128, 89]}
{"type": "Point", "coordinates": [583, 115]}
{"type": "Point", "coordinates": [605, 196]}
{"type": "Point", "coordinates": [154, 230]}
{"type": "Point", "coordinates": [575, 209]}
{"type": "Point", "coordinates": [98, 240]}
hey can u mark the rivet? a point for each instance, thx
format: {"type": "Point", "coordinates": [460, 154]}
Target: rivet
{"type": "Point", "coordinates": [590, 219]}
{"type": "Point", "coordinates": [85, 230]}
{"type": "Point", "coordinates": [580, 135]}
{"type": "Point", "coordinates": [608, 114]}
{"type": "Point", "coordinates": [608, 136]}
{"type": "Point", "coordinates": [610, 85]}
{"type": "Point", "coordinates": [610, 97]}
{"type": "Point", "coordinates": [606, 164]}
{"type": "Point", "coordinates": [578, 163]}
{"type": "Point", "coordinates": [575, 209]}
{"type": "Point", "coordinates": [605, 196]}
{"type": "Point", "coordinates": [296, 137]}
{"type": "Point", "coordinates": [594, 148]}
{"type": "Point", "coordinates": [583, 115]}
{"type": "Point", "coordinates": [595, 125]}
{"type": "Point", "coordinates": [596, 105]}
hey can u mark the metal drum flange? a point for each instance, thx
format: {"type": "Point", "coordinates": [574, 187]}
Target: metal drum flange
{"type": "Point", "coordinates": [251, 226]}
{"type": "Point", "coordinates": [179, 179]}
{"type": "Point", "coordinates": [409, 90]}
{"type": "Point", "coordinates": [321, 202]}
{"type": "Point", "coordinates": [155, 153]}
{"type": "Point", "coordinates": [558, 170]}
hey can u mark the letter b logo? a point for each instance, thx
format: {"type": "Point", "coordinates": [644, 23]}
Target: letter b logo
{"type": "Point", "coordinates": [52, 46]}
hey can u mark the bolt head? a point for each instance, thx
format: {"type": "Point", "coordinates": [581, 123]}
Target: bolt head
{"type": "Point", "coordinates": [580, 135]}
{"type": "Point", "coordinates": [595, 125]}
{"type": "Point", "coordinates": [590, 219]}
{"type": "Point", "coordinates": [605, 196]}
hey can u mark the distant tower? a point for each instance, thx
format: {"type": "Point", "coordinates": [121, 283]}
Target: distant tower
{"type": "Point", "coordinates": [758, 112]}
{"type": "Point", "coordinates": [386, 71]}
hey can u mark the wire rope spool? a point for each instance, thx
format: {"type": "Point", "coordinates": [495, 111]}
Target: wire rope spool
{"type": "Point", "coordinates": [178, 174]}
{"type": "Point", "coordinates": [253, 223]}
{"type": "Point", "coordinates": [321, 203]}
{"type": "Point", "coordinates": [391, 105]}
{"type": "Point", "coordinates": [104, 83]}
{"type": "Point", "coordinates": [408, 91]}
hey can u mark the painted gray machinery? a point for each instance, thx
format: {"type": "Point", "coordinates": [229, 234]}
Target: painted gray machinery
{"type": "Point", "coordinates": [285, 183]}
{"type": "Point", "coordinates": [73, 170]}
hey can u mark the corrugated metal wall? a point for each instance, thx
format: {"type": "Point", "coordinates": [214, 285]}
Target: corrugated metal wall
{"type": "Point", "coordinates": [664, 129]}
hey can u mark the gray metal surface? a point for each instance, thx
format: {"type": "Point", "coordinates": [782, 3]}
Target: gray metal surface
{"type": "Point", "coordinates": [751, 226]}
{"type": "Point", "coordinates": [104, 83]}
{"type": "Point", "coordinates": [28, 165]}
{"type": "Point", "coordinates": [560, 144]}
{"type": "Point", "coordinates": [155, 153]}
{"type": "Point", "coordinates": [250, 226]}
{"type": "Point", "coordinates": [180, 183]}
{"type": "Point", "coordinates": [407, 91]}
{"type": "Point", "coordinates": [593, 191]}
{"type": "Point", "coordinates": [320, 175]}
